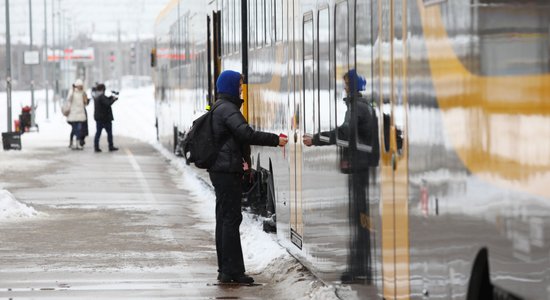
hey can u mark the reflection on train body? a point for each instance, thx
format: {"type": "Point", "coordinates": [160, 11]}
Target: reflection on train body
{"type": "Point", "coordinates": [440, 193]}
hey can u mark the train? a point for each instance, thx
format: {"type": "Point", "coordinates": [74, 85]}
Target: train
{"type": "Point", "coordinates": [454, 202]}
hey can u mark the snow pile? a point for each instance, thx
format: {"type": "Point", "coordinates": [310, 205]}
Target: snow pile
{"type": "Point", "coordinates": [10, 208]}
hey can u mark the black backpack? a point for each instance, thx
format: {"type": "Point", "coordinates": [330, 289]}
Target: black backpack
{"type": "Point", "coordinates": [199, 146]}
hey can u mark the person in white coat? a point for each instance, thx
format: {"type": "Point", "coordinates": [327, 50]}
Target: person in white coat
{"type": "Point", "coordinates": [77, 115]}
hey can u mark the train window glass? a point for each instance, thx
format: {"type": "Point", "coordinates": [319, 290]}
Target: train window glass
{"type": "Point", "coordinates": [187, 42]}
{"type": "Point", "coordinates": [229, 20]}
{"type": "Point", "coordinates": [224, 16]}
{"type": "Point", "coordinates": [180, 21]}
{"type": "Point", "coordinates": [230, 27]}
{"type": "Point", "coordinates": [173, 44]}
{"type": "Point", "coordinates": [366, 129]}
{"type": "Point", "coordinates": [238, 22]}
{"type": "Point", "coordinates": [268, 21]}
{"type": "Point", "coordinates": [488, 43]}
{"type": "Point", "coordinates": [222, 28]}
{"type": "Point", "coordinates": [279, 13]}
{"type": "Point", "coordinates": [252, 24]}
{"type": "Point", "coordinates": [341, 67]}
{"type": "Point", "coordinates": [323, 67]}
{"type": "Point", "coordinates": [235, 21]}
{"type": "Point", "coordinates": [260, 8]}
{"type": "Point", "coordinates": [309, 94]}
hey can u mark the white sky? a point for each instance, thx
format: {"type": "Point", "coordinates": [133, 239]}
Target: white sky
{"type": "Point", "coordinates": [262, 253]}
{"type": "Point", "coordinates": [98, 19]}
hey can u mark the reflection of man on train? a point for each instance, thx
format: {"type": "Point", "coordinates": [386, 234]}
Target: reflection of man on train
{"type": "Point", "coordinates": [360, 131]}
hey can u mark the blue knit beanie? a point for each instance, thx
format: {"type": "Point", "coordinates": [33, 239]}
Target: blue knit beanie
{"type": "Point", "coordinates": [357, 82]}
{"type": "Point", "coordinates": [228, 83]}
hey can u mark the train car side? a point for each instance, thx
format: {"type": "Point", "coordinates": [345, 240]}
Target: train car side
{"type": "Point", "coordinates": [455, 207]}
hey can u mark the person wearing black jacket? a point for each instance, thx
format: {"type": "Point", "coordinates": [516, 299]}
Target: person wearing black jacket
{"type": "Point", "coordinates": [103, 116]}
{"type": "Point", "coordinates": [235, 136]}
{"type": "Point", "coordinates": [357, 159]}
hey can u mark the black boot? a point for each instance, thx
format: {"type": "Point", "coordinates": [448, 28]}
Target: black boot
{"type": "Point", "coordinates": [241, 278]}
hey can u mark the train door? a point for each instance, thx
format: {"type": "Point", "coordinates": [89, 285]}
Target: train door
{"type": "Point", "coordinates": [295, 140]}
{"type": "Point", "coordinates": [391, 48]}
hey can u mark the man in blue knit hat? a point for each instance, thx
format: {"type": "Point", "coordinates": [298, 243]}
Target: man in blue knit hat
{"type": "Point", "coordinates": [359, 129]}
{"type": "Point", "coordinates": [235, 137]}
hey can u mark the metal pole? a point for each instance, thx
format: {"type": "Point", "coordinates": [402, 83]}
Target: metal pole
{"type": "Point", "coordinates": [54, 63]}
{"type": "Point", "coordinates": [118, 60]}
{"type": "Point", "coordinates": [58, 72]}
{"type": "Point", "coordinates": [68, 63]}
{"type": "Point", "coordinates": [45, 61]}
{"type": "Point", "coordinates": [32, 77]}
{"type": "Point", "coordinates": [8, 63]}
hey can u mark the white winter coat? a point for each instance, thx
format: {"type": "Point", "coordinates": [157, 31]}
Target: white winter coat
{"type": "Point", "coordinates": [78, 100]}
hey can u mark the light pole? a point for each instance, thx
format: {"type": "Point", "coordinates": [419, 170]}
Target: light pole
{"type": "Point", "coordinates": [54, 63]}
{"type": "Point", "coordinates": [45, 61]}
{"type": "Point", "coordinates": [8, 63]}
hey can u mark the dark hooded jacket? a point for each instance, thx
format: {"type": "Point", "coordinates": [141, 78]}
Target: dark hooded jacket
{"type": "Point", "coordinates": [360, 127]}
{"type": "Point", "coordinates": [102, 108]}
{"type": "Point", "coordinates": [231, 129]}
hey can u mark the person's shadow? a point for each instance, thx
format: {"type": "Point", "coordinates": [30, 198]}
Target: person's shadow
{"type": "Point", "coordinates": [358, 153]}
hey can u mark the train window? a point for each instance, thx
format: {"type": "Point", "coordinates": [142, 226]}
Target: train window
{"type": "Point", "coordinates": [279, 14]}
{"type": "Point", "coordinates": [260, 8]}
{"type": "Point", "coordinates": [268, 21]}
{"type": "Point", "coordinates": [183, 58]}
{"type": "Point", "coordinates": [364, 65]}
{"type": "Point", "coordinates": [224, 22]}
{"type": "Point", "coordinates": [187, 42]}
{"type": "Point", "coordinates": [323, 67]}
{"type": "Point", "coordinates": [252, 24]}
{"type": "Point", "coordinates": [238, 22]}
{"type": "Point", "coordinates": [309, 94]}
{"type": "Point", "coordinates": [232, 26]}
{"type": "Point", "coordinates": [341, 67]}
{"type": "Point", "coordinates": [173, 44]}
{"type": "Point", "coordinates": [497, 46]}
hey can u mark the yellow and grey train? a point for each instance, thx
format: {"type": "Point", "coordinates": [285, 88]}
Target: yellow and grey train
{"type": "Point", "coordinates": [455, 200]}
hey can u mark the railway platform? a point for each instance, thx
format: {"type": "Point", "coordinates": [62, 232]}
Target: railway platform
{"type": "Point", "coordinates": [120, 225]}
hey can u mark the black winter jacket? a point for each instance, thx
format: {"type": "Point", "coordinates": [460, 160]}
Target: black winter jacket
{"type": "Point", "coordinates": [102, 108]}
{"type": "Point", "coordinates": [363, 131]}
{"type": "Point", "coordinates": [231, 129]}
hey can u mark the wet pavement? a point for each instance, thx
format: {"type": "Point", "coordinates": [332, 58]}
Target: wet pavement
{"type": "Point", "coordinates": [111, 225]}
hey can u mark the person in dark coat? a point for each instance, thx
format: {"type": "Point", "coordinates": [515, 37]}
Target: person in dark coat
{"type": "Point", "coordinates": [234, 134]}
{"type": "Point", "coordinates": [360, 129]}
{"type": "Point", "coordinates": [103, 116]}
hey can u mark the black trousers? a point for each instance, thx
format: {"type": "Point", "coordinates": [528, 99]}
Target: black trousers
{"type": "Point", "coordinates": [359, 260]}
{"type": "Point", "coordinates": [228, 219]}
{"type": "Point", "coordinates": [108, 126]}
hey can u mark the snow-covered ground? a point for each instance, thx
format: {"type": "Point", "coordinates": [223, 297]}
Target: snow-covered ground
{"type": "Point", "coordinates": [134, 115]}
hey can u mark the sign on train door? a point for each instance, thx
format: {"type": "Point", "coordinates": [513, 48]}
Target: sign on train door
{"type": "Point", "coordinates": [295, 140]}
{"type": "Point", "coordinates": [391, 52]}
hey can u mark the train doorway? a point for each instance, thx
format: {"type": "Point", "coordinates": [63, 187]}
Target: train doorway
{"type": "Point", "coordinates": [295, 140]}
